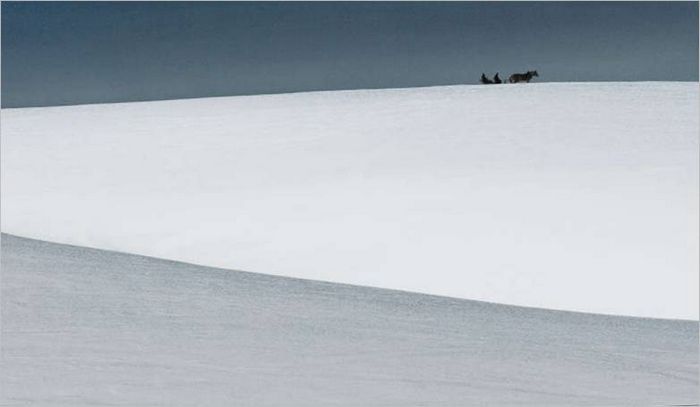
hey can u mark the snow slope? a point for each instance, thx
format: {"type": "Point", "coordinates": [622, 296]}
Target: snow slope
{"type": "Point", "coordinates": [90, 327]}
{"type": "Point", "coordinates": [561, 195]}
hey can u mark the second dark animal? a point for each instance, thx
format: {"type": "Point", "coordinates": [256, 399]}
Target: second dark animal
{"type": "Point", "coordinates": [522, 77]}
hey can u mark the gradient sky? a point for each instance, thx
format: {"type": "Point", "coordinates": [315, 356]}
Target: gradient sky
{"type": "Point", "coordinates": [92, 52]}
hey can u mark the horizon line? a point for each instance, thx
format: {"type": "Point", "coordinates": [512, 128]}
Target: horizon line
{"type": "Point", "coordinates": [293, 92]}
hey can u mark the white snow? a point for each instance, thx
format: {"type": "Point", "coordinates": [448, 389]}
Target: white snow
{"type": "Point", "coordinates": [89, 327]}
{"type": "Point", "coordinates": [565, 196]}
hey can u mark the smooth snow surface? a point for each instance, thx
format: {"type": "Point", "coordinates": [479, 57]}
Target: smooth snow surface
{"type": "Point", "coordinates": [565, 196]}
{"type": "Point", "coordinates": [89, 327]}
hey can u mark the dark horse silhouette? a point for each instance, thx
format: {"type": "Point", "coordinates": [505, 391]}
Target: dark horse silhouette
{"type": "Point", "coordinates": [485, 80]}
{"type": "Point", "coordinates": [522, 77]}
{"type": "Point", "coordinates": [496, 79]}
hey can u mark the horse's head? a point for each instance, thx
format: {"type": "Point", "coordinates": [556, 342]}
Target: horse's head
{"type": "Point", "coordinates": [533, 73]}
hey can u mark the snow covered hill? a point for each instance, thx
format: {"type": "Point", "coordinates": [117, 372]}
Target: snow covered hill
{"type": "Point", "coordinates": [565, 196]}
{"type": "Point", "coordinates": [88, 327]}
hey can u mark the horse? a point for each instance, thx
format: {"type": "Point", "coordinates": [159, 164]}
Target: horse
{"type": "Point", "coordinates": [522, 77]}
{"type": "Point", "coordinates": [496, 79]}
{"type": "Point", "coordinates": [485, 80]}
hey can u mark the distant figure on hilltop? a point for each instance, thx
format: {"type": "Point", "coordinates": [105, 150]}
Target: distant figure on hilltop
{"type": "Point", "coordinates": [485, 80]}
{"type": "Point", "coordinates": [496, 79]}
{"type": "Point", "coordinates": [522, 77]}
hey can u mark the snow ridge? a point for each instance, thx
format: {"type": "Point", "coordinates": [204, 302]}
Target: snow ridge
{"type": "Point", "coordinates": [564, 195]}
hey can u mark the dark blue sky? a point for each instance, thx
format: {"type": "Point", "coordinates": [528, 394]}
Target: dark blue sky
{"type": "Point", "coordinates": [88, 52]}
